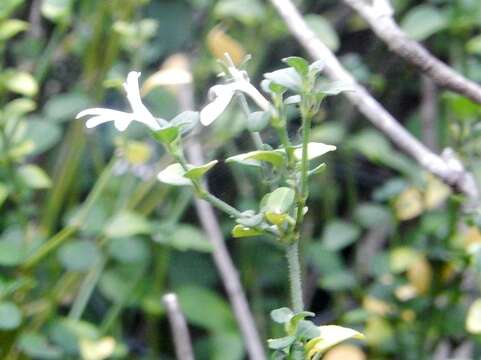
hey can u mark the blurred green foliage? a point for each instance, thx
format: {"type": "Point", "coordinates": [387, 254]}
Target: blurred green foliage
{"type": "Point", "coordinates": [90, 240]}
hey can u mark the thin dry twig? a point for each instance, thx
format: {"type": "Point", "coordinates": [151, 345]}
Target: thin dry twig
{"type": "Point", "coordinates": [378, 14]}
{"type": "Point", "coordinates": [226, 268]}
{"type": "Point", "coordinates": [178, 326]}
{"type": "Point", "coordinates": [449, 168]}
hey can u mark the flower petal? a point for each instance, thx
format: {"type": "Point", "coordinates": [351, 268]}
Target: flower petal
{"type": "Point", "coordinates": [142, 114]}
{"type": "Point", "coordinates": [213, 110]}
{"type": "Point", "coordinates": [100, 111]}
{"type": "Point", "coordinates": [121, 122]}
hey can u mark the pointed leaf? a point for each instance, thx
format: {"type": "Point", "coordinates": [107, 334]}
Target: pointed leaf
{"type": "Point", "coordinates": [275, 157]}
{"type": "Point", "coordinates": [240, 231]}
{"type": "Point", "coordinates": [282, 315]}
{"type": "Point", "coordinates": [281, 343]}
{"type": "Point", "coordinates": [314, 150]}
{"type": "Point", "coordinates": [174, 175]}
{"type": "Point", "coordinates": [287, 77]}
{"type": "Point", "coordinates": [299, 64]}
{"type": "Point", "coordinates": [198, 171]}
{"type": "Point", "coordinates": [280, 200]}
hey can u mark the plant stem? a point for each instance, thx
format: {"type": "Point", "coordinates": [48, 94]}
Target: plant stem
{"type": "Point", "coordinates": [295, 282]}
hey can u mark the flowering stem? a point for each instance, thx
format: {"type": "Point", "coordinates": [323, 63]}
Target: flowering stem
{"type": "Point", "coordinates": [295, 276]}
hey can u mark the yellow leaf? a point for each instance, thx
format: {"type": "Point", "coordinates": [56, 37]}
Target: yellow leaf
{"type": "Point", "coordinates": [377, 331]}
{"type": "Point", "coordinates": [137, 153]}
{"type": "Point", "coordinates": [436, 193]}
{"type": "Point", "coordinates": [472, 236]}
{"type": "Point", "coordinates": [97, 349]}
{"type": "Point", "coordinates": [376, 306]}
{"type": "Point", "coordinates": [174, 72]}
{"type": "Point", "coordinates": [408, 204]}
{"type": "Point", "coordinates": [473, 320]}
{"type": "Point", "coordinates": [420, 274]}
{"type": "Point", "coordinates": [220, 43]}
{"type": "Point", "coordinates": [408, 315]}
{"type": "Point", "coordinates": [345, 352]}
{"type": "Point", "coordinates": [331, 335]}
{"type": "Point", "coordinates": [406, 292]}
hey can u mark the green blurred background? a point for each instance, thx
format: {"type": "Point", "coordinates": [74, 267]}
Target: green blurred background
{"type": "Point", "coordinates": [388, 248]}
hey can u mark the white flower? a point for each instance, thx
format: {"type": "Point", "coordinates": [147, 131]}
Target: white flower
{"type": "Point", "coordinates": [123, 119]}
{"type": "Point", "coordinates": [222, 95]}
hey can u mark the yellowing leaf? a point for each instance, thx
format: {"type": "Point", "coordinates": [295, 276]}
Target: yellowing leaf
{"type": "Point", "coordinates": [97, 349]}
{"type": "Point", "coordinates": [377, 331]}
{"type": "Point", "coordinates": [345, 352]}
{"type": "Point", "coordinates": [420, 274]}
{"type": "Point", "coordinates": [473, 319]}
{"type": "Point", "coordinates": [472, 236]}
{"type": "Point", "coordinates": [376, 306]}
{"type": "Point", "coordinates": [175, 71]}
{"type": "Point", "coordinates": [436, 193]}
{"type": "Point", "coordinates": [408, 204]}
{"type": "Point", "coordinates": [220, 43]}
{"type": "Point", "coordinates": [314, 150]}
{"type": "Point", "coordinates": [401, 258]}
{"type": "Point", "coordinates": [406, 292]}
{"type": "Point", "coordinates": [137, 152]}
{"type": "Point", "coordinates": [330, 335]}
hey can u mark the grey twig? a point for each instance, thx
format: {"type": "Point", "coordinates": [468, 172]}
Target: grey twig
{"type": "Point", "coordinates": [380, 19]}
{"type": "Point", "coordinates": [429, 111]}
{"type": "Point", "coordinates": [453, 173]}
{"type": "Point", "coordinates": [178, 326]}
{"type": "Point", "coordinates": [225, 266]}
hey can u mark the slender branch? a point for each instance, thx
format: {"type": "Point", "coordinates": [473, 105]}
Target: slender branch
{"type": "Point", "coordinates": [295, 277]}
{"type": "Point", "coordinates": [178, 325]}
{"type": "Point", "coordinates": [383, 24]}
{"type": "Point", "coordinates": [222, 259]}
{"type": "Point", "coordinates": [452, 172]}
{"type": "Point", "coordinates": [429, 111]}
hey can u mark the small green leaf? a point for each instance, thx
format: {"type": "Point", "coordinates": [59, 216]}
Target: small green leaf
{"type": "Point", "coordinates": [185, 238]}
{"type": "Point", "coordinates": [64, 107]}
{"type": "Point", "coordinates": [127, 223]}
{"type": "Point", "coordinates": [19, 107]}
{"type": "Point", "coordinates": [287, 77]}
{"type": "Point", "coordinates": [10, 28]}
{"type": "Point", "coordinates": [258, 121]}
{"type": "Point", "coordinates": [423, 21]}
{"type": "Point", "coordinates": [276, 218]}
{"type": "Point", "coordinates": [186, 120]}
{"type": "Point", "coordinates": [339, 234]}
{"type": "Point", "coordinates": [34, 177]}
{"type": "Point", "coordinates": [291, 325]}
{"type": "Point", "coordinates": [324, 30]}
{"type": "Point", "coordinates": [128, 249]}
{"type": "Point", "coordinates": [281, 343]}
{"type": "Point", "coordinates": [294, 99]}
{"type": "Point", "coordinates": [307, 330]}
{"type": "Point", "coordinates": [167, 134]}
{"type": "Point", "coordinates": [317, 170]}
{"type": "Point", "coordinates": [58, 11]}
{"type": "Point", "coordinates": [36, 346]}
{"type": "Point", "coordinates": [334, 87]}
{"type": "Point", "coordinates": [240, 231]}
{"type": "Point", "coordinates": [197, 172]}
{"type": "Point", "coordinates": [10, 316]}
{"type": "Point", "coordinates": [174, 175]}
{"type": "Point", "coordinates": [314, 150]}
{"type": "Point", "coordinates": [275, 157]}
{"type": "Point", "coordinates": [79, 255]}
{"type": "Point", "coordinates": [282, 315]}
{"type": "Point", "coordinates": [20, 82]}
{"type": "Point", "coordinates": [280, 200]}
{"type": "Point", "coordinates": [299, 64]}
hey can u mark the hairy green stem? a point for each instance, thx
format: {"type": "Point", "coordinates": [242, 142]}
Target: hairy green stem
{"type": "Point", "coordinates": [295, 276]}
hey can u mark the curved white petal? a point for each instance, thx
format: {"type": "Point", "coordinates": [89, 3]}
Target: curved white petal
{"type": "Point", "coordinates": [100, 111]}
{"type": "Point", "coordinates": [213, 110]}
{"type": "Point", "coordinates": [142, 114]}
{"type": "Point", "coordinates": [121, 121]}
